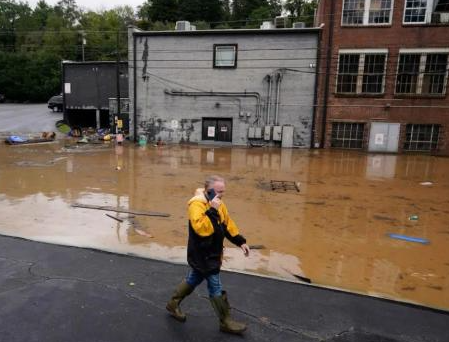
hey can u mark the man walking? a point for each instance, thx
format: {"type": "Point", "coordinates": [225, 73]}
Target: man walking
{"type": "Point", "coordinates": [209, 224]}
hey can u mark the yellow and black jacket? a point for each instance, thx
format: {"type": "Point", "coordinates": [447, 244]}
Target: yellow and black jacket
{"type": "Point", "coordinates": [207, 229]}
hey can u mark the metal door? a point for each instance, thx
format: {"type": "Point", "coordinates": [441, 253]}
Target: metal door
{"type": "Point", "coordinates": [384, 137]}
{"type": "Point", "coordinates": [224, 130]}
{"type": "Point", "coordinates": [217, 129]}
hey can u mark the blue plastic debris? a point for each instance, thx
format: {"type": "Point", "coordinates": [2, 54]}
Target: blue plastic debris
{"type": "Point", "coordinates": [409, 238]}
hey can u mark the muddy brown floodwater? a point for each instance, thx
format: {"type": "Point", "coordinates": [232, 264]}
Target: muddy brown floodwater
{"type": "Point", "coordinates": [335, 231]}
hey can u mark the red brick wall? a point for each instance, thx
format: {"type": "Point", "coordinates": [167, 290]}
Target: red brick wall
{"type": "Point", "coordinates": [388, 107]}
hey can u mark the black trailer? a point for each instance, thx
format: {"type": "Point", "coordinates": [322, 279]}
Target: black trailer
{"type": "Point", "coordinates": [90, 91]}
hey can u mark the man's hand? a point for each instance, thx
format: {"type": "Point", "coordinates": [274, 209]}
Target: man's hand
{"type": "Point", "coordinates": [245, 249]}
{"type": "Point", "coordinates": [216, 202]}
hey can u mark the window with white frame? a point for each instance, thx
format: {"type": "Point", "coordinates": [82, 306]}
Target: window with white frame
{"type": "Point", "coordinates": [415, 11]}
{"type": "Point", "coordinates": [225, 55]}
{"type": "Point", "coordinates": [361, 73]}
{"type": "Point", "coordinates": [421, 137]}
{"type": "Point", "coordinates": [422, 73]}
{"type": "Point", "coordinates": [367, 12]}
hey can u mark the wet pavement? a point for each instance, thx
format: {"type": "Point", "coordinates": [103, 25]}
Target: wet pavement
{"type": "Point", "coordinates": [27, 118]}
{"type": "Point", "coordinates": [335, 231]}
{"type": "Point", "coordinates": [54, 293]}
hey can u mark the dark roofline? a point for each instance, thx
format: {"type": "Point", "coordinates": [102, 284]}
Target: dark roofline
{"type": "Point", "coordinates": [93, 62]}
{"type": "Point", "coordinates": [229, 31]}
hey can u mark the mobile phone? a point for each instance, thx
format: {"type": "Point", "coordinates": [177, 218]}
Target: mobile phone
{"type": "Point", "coordinates": [211, 194]}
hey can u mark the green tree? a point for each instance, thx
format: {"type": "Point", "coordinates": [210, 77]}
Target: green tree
{"type": "Point", "coordinates": [200, 10]}
{"type": "Point", "coordinates": [159, 10]}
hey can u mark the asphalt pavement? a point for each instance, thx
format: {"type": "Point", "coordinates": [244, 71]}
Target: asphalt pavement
{"type": "Point", "coordinates": [56, 293]}
{"type": "Point", "coordinates": [27, 118]}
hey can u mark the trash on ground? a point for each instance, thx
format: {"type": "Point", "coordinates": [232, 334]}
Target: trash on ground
{"type": "Point", "coordinates": [426, 183]}
{"type": "Point", "coordinates": [409, 238]}
{"type": "Point", "coordinates": [304, 279]}
{"type": "Point", "coordinates": [18, 140]}
{"type": "Point", "coordinates": [119, 210]}
{"type": "Point", "coordinates": [256, 246]}
{"type": "Point", "coordinates": [413, 218]}
{"type": "Point", "coordinates": [132, 284]}
{"type": "Point", "coordinates": [114, 218]}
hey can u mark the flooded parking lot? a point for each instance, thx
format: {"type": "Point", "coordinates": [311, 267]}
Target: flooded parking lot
{"type": "Point", "coordinates": [373, 224]}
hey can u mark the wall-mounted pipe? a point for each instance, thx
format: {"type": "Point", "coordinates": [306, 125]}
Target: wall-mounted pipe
{"type": "Point", "coordinates": [278, 96]}
{"type": "Point", "coordinates": [256, 95]}
{"type": "Point", "coordinates": [270, 83]}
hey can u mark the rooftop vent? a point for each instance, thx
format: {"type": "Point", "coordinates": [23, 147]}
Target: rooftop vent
{"type": "Point", "coordinates": [280, 22]}
{"type": "Point", "coordinates": [267, 25]}
{"type": "Point", "coordinates": [299, 25]}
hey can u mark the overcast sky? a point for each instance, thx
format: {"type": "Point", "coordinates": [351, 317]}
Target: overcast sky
{"type": "Point", "coordinates": [95, 5]}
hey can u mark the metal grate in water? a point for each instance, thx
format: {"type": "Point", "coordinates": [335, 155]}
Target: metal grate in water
{"type": "Point", "coordinates": [284, 186]}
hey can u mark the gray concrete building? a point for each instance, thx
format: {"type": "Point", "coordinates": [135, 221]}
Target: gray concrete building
{"type": "Point", "coordinates": [227, 86]}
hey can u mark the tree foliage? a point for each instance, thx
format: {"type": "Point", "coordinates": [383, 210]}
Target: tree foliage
{"type": "Point", "coordinates": [34, 41]}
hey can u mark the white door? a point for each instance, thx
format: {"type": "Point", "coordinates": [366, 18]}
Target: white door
{"type": "Point", "coordinates": [384, 137]}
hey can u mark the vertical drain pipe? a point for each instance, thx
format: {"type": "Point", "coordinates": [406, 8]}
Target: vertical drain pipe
{"type": "Point", "coordinates": [270, 82]}
{"type": "Point", "coordinates": [328, 67]}
{"type": "Point", "coordinates": [278, 94]}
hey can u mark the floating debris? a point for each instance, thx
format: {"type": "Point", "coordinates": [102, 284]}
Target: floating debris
{"type": "Point", "coordinates": [409, 238]}
{"type": "Point", "coordinates": [426, 183]}
{"type": "Point", "coordinates": [284, 185]}
{"type": "Point", "coordinates": [119, 210]}
{"type": "Point", "coordinates": [114, 218]}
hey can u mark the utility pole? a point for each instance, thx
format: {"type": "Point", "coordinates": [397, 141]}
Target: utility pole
{"type": "Point", "coordinates": [83, 42]}
{"type": "Point", "coordinates": [118, 116]}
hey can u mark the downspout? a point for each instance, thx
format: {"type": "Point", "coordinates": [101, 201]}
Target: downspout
{"type": "Point", "coordinates": [315, 94]}
{"type": "Point", "coordinates": [270, 83]}
{"type": "Point", "coordinates": [278, 95]}
{"type": "Point", "coordinates": [135, 86]}
{"type": "Point", "coordinates": [328, 66]}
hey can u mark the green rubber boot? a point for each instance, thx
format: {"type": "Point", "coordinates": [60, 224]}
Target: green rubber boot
{"type": "Point", "coordinates": [182, 291]}
{"type": "Point", "coordinates": [222, 309]}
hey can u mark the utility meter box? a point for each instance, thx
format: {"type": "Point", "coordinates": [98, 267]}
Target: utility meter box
{"type": "Point", "coordinates": [258, 133]}
{"type": "Point", "coordinates": [251, 132]}
{"type": "Point", "coordinates": [267, 133]}
{"type": "Point", "coordinates": [287, 136]}
{"type": "Point", "coordinates": [277, 133]}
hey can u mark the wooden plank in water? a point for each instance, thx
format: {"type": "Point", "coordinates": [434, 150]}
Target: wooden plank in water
{"type": "Point", "coordinates": [119, 210]}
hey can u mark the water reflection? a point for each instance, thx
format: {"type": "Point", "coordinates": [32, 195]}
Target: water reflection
{"type": "Point", "coordinates": [335, 231]}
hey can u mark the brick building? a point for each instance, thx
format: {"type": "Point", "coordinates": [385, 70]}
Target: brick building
{"type": "Point", "coordinates": [383, 74]}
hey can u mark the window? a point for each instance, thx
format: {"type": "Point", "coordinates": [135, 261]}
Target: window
{"type": "Point", "coordinates": [422, 73]}
{"type": "Point", "coordinates": [225, 56]}
{"type": "Point", "coordinates": [361, 73]}
{"type": "Point", "coordinates": [415, 11]}
{"type": "Point", "coordinates": [421, 137]}
{"type": "Point", "coordinates": [347, 135]}
{"type": "Point", "coordinates": [366, 12]}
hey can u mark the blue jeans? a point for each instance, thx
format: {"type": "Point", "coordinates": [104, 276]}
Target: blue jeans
{"type": "Point", "coordinates": [194, 278]}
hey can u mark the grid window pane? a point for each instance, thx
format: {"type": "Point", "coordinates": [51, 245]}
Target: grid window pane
{"type": "Point", "coordinates": [353, 12]}
{"type": "Point", "coordinates": [408, 71]}
{"type": "Point", "coordinates": [373, 73]}
{"type": "Point", "coordinates": [379, 11]}
{"type": "Point", "coordinates": [435, 74]}
{"type": "Point", "coordinates": [347, 135]}
{"type": "Point", "coordinates": [348, 68]}
{"type": "Point", "coordinates": [225, 56]}
{"type": "Point", "coordinates": [415, 11]}
{"type": "Point", "coordinates": [421, 137]}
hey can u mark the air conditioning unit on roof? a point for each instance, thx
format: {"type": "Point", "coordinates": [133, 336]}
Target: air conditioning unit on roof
{"type": "Point", "coordinates": [183, 25]}
{"type": "Point", "coordinates": [280, 22]}
{"type": "Point", "coordinates": [299, 25]}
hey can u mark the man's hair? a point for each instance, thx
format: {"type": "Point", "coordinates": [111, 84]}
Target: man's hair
{"type": "Point", "coordinates": [210, 181]}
